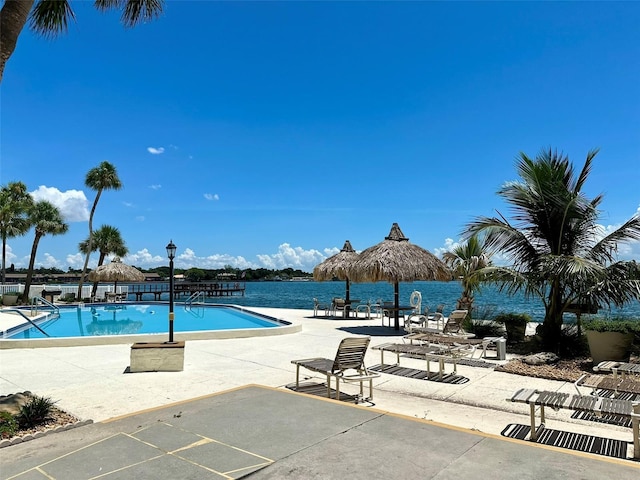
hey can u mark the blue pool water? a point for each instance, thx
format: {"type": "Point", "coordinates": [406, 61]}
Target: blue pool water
{"type": "Point", "coordinates": [135, 319]}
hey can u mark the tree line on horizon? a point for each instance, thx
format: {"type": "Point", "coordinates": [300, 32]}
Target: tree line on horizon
{"type": "Point", "coordinates": [190, 274]}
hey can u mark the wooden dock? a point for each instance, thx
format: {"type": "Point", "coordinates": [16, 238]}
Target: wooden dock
{"type": "Point", "coordinates": [186, 289]}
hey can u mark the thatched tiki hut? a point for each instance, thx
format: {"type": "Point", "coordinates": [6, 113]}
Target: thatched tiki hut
{"type": "Point", "coordinates": [337, 266]}
{"type": "Point", "coordinates": [115, 272]}
{"type": "Point", "coordinates": [396, 260]}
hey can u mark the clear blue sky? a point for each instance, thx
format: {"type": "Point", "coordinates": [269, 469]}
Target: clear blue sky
{"type": "Point", "coordinates": [265, 134]}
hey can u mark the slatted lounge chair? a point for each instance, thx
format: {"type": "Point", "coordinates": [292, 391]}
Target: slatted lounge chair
{"type": "Point", "coordinates": [622, 368]}
{"type": "Point", "coordinates": [320, 306]}
{"type": "Point", "coordinates": [617, 385]}
{"type": "Point", "coordinates": [348, 365]}
{"type": "Point", "coordinates": [452, 326]}
{"type": "Point", "coordinates": [432, 352]}
{"type": "Point", "coordinates": [581, 403]}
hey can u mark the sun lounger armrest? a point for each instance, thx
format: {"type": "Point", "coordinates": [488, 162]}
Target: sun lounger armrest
{"type": "Point", "coordinates": [304, 360]}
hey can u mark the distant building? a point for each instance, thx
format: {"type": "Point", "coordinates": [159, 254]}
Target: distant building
{"type": "Point", "coordinates": [54, 278]}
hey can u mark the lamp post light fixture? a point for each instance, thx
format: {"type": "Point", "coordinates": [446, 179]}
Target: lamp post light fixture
{"type": "Point", "coordinates": [171, 253]}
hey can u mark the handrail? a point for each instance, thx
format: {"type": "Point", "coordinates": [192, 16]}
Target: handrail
{"type": "Point", "coordinates": [37, 300]}
{"type": "Point", "coordinates": [17, 310]}
{"type": "Point", "coordinates": [192, 298]}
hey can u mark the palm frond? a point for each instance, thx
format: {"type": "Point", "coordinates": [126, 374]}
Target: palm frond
{"type": "Point", "coordinates": [50, 18]}
{"type": "Point", "coordinates": [133, 11]}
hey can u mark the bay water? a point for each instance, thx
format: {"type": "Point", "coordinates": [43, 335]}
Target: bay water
{"type": "Point", "coordinates": [488, 302]}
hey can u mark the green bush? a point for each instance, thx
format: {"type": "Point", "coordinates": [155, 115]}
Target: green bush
{"type": "Point", "coordinates": [482, 328]}
{"type": "Point", "coordinates": [620, 325]}
{"type": "Point", "coordinates": [36, 411]}
{"type": "Point", "coordinates": [8, 425]}
{"type": "Point", "coordinates": [612, 325]}
{"type": "Point", "coordinates": [67, 297]}
{"type": "Point", "coordinates": [515, 324]}
{"type": "Point", "coordinates": [513, 318]}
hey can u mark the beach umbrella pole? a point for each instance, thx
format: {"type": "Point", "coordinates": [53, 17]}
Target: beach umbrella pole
{"type": "Point", "coordinates": [396, 301]}
{"type": "Point", "coordinates": [347, 305]}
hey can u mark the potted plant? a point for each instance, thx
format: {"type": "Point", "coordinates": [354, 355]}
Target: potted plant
{"type": "Point", "coordinates": [10, 298]}
{"type": "Point", "coordinates": [515, 324]}
{"type": "Point", "coordinates": [611, 339]}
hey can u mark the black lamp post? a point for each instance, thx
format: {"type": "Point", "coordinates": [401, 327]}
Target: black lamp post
{"type": "Point", "coordinates": [171, 253]}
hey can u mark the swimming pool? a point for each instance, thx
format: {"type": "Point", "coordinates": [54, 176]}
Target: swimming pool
{"type": "Point", "coordinates": [142, 322]}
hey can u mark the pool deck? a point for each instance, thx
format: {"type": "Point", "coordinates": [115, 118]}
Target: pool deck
{"type": "Point", "coordinates": [412, 422]}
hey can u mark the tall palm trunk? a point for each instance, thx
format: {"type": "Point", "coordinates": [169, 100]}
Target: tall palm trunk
{"type": "Point", "coordinates": [95, 284]}
{"type": "Point", "coordinates": [32, 261]}
{"type": "Point", "coordinates": [86, 260]}
{"type": "Point", "coordinates": [13, 17]}
{"type": "Point", "coordinates": [552, 325]}
{"type": "Point", "coordinates": [4, 256]}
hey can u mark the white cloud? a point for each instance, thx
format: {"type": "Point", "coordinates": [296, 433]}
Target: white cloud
{"type": "Point", "coordinates": [76, 261]}
{"type": "Point", "coordinates": [288, 256]}
{"type": "Point", "coordinates": [10, 257]}
{"type": "Point", "coordinates": [155, 151]}
{"type": "Point", "coordinates": [330, 252]}
{"type": "Point", "coordinates": [449, 244]}
{"type": "Point", "coordinates": [189, 259]}
{"type": "Point", "coordinates": [143, 258]}
{"type": "Point", "coordinates": [72, 203]}
{"type": "Point", "coordinates": [128, 204]}
{"type": "Point", "coordinates": [211, 196]}
{"type": "Point", "coordinates": [140, 218]}
{"type": "Point", "coordinates": [498, 259]}
{"type": "Point", "coordinates": [155, 187]}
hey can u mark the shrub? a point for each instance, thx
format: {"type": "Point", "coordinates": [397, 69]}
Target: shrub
{"type": "Point", "coordinates": [620, 325]}
{"type": "Point", "coordinates": [613, 325]}
{"type": "Point", "coordinates": [482, 328]}
{"type": "Point", "coordinates": [35, 412]}
{"type": "Point", "coordinates": [67, 297]}
{"type": "Point", "coordinates": [8, 425]}
{"type": "Point", "coordinates": [513, 318]}
{"type": "Point", "coordinates": [515, 324]}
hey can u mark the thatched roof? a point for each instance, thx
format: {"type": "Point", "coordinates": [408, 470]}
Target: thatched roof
{"type": "Point", "coordinates": [336, 266]}
{"type": "Point", "coordinates": [397, 260]}
{"type": "Point", "coordinates": [116, 271]}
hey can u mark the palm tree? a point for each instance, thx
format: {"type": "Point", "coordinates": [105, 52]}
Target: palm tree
{"type": "Point", "coordinates": [51, 17]}
{"type": "Point", "coordinates": [107, 240]}
{"type": "Point", "coordinates": [47, 220]}
{"type": "Point", "coordinates": [103, 177]}
{"type": "Point", "coordinates": [466, 260]}
{"type": "Point", "coordinates": [559, 252]}
{"type": "Point", "coordinates": [15, 202]}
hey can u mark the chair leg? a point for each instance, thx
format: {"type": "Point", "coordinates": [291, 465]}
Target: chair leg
{"type": "Point", "coordinates": [328, 386]}
{"type": "Point", "coordinates": [635, 426]}
{"type": "Point", "coordinates": [337, 388]}
{"type": "Point", "coordinates": [532, 412]}
{"type": "Point", "coordinates": [297, 377]}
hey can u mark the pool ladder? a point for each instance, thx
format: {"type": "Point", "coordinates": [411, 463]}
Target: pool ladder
{"type": "Point", "coordinates": [194, 299]}
{"type": "Point", "coordinates": [37, 302]}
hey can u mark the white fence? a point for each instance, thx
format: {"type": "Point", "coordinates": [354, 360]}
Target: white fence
{"type": "Point", "coordinates": [36, 290]}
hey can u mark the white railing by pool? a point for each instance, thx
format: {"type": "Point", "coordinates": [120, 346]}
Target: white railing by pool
{"type": "Point", "coordinates": [86, 290]}
{"type": "Point", "coordinates": [36, 290]}
{"type": "Point", "coordinates": [11, 287]}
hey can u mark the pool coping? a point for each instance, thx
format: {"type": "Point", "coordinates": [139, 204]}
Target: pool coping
{"type": "Point", "coordinates": [286, 328]}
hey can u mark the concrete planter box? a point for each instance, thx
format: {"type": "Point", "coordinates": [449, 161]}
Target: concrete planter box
{"type": "Point", "coordinates": [605, 346]}
{"type": "Point", "coordinates": [157, 357]}
{"type": "Point", "coordinates": [9, 299]}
